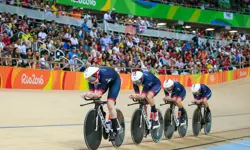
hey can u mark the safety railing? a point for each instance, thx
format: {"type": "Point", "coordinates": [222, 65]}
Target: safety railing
{"type": "Point", "coordinates": [76, 64]}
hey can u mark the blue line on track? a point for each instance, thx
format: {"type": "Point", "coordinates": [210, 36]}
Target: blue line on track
{"type": "Point", "coordinates": [67, 125]}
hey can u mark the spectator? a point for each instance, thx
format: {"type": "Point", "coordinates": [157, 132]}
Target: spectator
{"type": "Point", "coordinates": [84, 25]}
{"type": "Point", "coordinates": [93, 33]}
{"type": "Point", "coordinates": [44, 64]}
{"type": "Point", "coordinates": [73, 53]}
{"type": "Point", "coordinates": [42, 34]}
{"type": "Point", "coordinates": [74, 40]}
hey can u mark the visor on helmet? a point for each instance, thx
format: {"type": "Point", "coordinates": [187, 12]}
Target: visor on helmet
{"type": "Point", "coordinates": [197, 92]}
{"type": "Point", "coordinates": [169, 88]}
{"type": "Point", "coordinates": [92, 79]}
{"type": "Point", "coordinates": [138, 81]}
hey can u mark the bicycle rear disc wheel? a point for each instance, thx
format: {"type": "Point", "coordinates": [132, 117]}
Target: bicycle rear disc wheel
{"type": "Point", "coordinates": [182, 130]}
{"type": "Point", "coordinates": [92, 136]}
{"type": "Point", "coordinates": [168, 127]}
{"type": "Point", "coordinates": [137, 126]}
{"type": "Point", "coordinates": [196, 122]}
{"type": "Point", "coordinates": [120, 138]}
{"type": "Point", "coordinates": [207, 126]}
{"type": "Point", "coordinates": [156, 134]}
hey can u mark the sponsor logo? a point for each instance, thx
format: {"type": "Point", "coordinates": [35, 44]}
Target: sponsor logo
{"type": "Point", "coordinates": [212, 78]}
{"type": "Point", "coordinates": [243, 73]}
{"type": "Point", "coordinates": [33, 79]}
{"type": "Point", "coordinates": [85, 2]}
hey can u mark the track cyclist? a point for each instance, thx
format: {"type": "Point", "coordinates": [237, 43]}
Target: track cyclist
{"type": "Point", "coordinates": [202, 94]}
{"type": "Point", "coordinates": [151, 87]}
{"type": "Point", "coordinates": [175, 92]}
{"type": "Point", "coordinates": [100, 80]}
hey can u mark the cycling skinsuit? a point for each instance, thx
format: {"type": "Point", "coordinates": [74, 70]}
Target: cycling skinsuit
{"type": "Point", "coordinates": [178, 91]}
{"type": "Point", "coordinates": [108, 79]}
{"type": "Point", "coordinates": [204, 93]}
{"type": "Point", "coordinates": [150, 84]}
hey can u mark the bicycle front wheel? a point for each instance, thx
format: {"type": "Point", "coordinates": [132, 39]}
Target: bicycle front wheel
{"type": "Point", "coordinates": [92, 130]}
{"type": "Point", "coordinates": [168, 127]}
{"type": "Point", "coordinates": [137, 126]}
{"type": "Point", "coordinates": [196, 122]}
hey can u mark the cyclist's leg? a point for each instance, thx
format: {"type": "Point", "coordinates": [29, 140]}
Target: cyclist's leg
{"type": "Point", "coordinates": [150, 98]}
{"type": "Point", "coordinates": [205, 100]}
{"type": "Point", "coordinates": [112, 95]}
{"type": "Point", "coordinates": [103, 92]}
{"type": "Point", "coordinates": [151, 94]}
{"type": "Point", "coordinates": [179, 100]}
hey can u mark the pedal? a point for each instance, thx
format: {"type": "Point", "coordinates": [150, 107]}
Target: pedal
{"type": "Point", "coordinates": [202, 121]}
{"type": "Point", "coordinates": [175, 128]}
{"type": "Point", "coordinates": [146, 133]}
{"type": "Point", "coordinates": [208, 118]}
{"type": "Point", "coordinates": [120, 130]}
{"type": "Point", "coordinates": [182, 124]}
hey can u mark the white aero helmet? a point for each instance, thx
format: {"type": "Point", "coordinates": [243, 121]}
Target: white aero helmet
{"type": "Point", "coordinates": [136, 77]}
{"type": "Point", "coordinates": [196, 88]}
{"type": "Point", "coordinates": [168, 84]}
{"type": "Point", "coordinates": [91, 73]}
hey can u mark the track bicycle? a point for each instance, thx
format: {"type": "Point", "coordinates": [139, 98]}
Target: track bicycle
{"type": "Point", "coordinates": [201, 120]}
{"type": "Point", "coordinates": [172, 123]}
{"type": "Point", "coordinates": [141, 125]}
{"type": "Point", "coordinates": [95, 126]}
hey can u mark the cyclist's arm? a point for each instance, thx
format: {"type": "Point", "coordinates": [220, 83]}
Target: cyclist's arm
{"type": "Point", "coordinates": [196, 98]}
{"type": "Point", "coordinates": [176, 93]}
{"type": "Point", "coordinates": [91, 88]}
{"type": "Point", "coordinates": [101, 88]}
{"type": "Point", "coordinates": [166, 93]}
{"type": "Point", "coordinates": [136, 89]}
{"type": "Point", "coordinates": [144, 92]}
{"type": "Point", "coordinates": [205, 96]}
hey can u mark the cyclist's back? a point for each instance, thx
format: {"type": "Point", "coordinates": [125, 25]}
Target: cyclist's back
{"type": "Point", "coordinates": [108, 75]}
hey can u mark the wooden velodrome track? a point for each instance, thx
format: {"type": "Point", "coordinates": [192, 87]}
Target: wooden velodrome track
{"type": "Point", "coordinates": [52, 120]}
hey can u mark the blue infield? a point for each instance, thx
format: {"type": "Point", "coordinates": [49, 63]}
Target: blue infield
{"type": "Point", "coordinates": [239, 145]}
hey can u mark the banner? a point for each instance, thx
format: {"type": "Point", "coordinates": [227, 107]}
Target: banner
{"type": "Point", "coordinates": [102, 5]}
{"type": "Point", "coordinates": [156, 10]}
{"type": "Point", "coordinates": [242, 73]}
{"type": "Point", "coordinates": [164, 11]}
{"type": "Point", "coordinates": [22, 78]}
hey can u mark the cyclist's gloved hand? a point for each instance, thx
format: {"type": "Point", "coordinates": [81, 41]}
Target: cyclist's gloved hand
{"type": "Point", "coordinates": [88, 95]}
{"type": "Point", "coordinates": [131, 96]}
{"type": "Point", "coordinates": [198, 102]}
{"type": "Point", "coordinates": [83, 95]}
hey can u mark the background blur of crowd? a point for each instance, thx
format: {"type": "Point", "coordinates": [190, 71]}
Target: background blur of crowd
{"type": "Point", "coordinates": [26, 42]}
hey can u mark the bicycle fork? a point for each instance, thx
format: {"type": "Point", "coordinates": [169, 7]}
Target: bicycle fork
{"type": "Point", "coordinates": [173, 117]}
{"type": "Point", "coordinates": [144, 115]}
{"type": "Point", "coordinates": [99, 113]}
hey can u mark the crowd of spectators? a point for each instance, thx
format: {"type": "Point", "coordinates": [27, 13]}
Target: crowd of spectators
{"type": "Point", "coordinates": [40, 44]}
